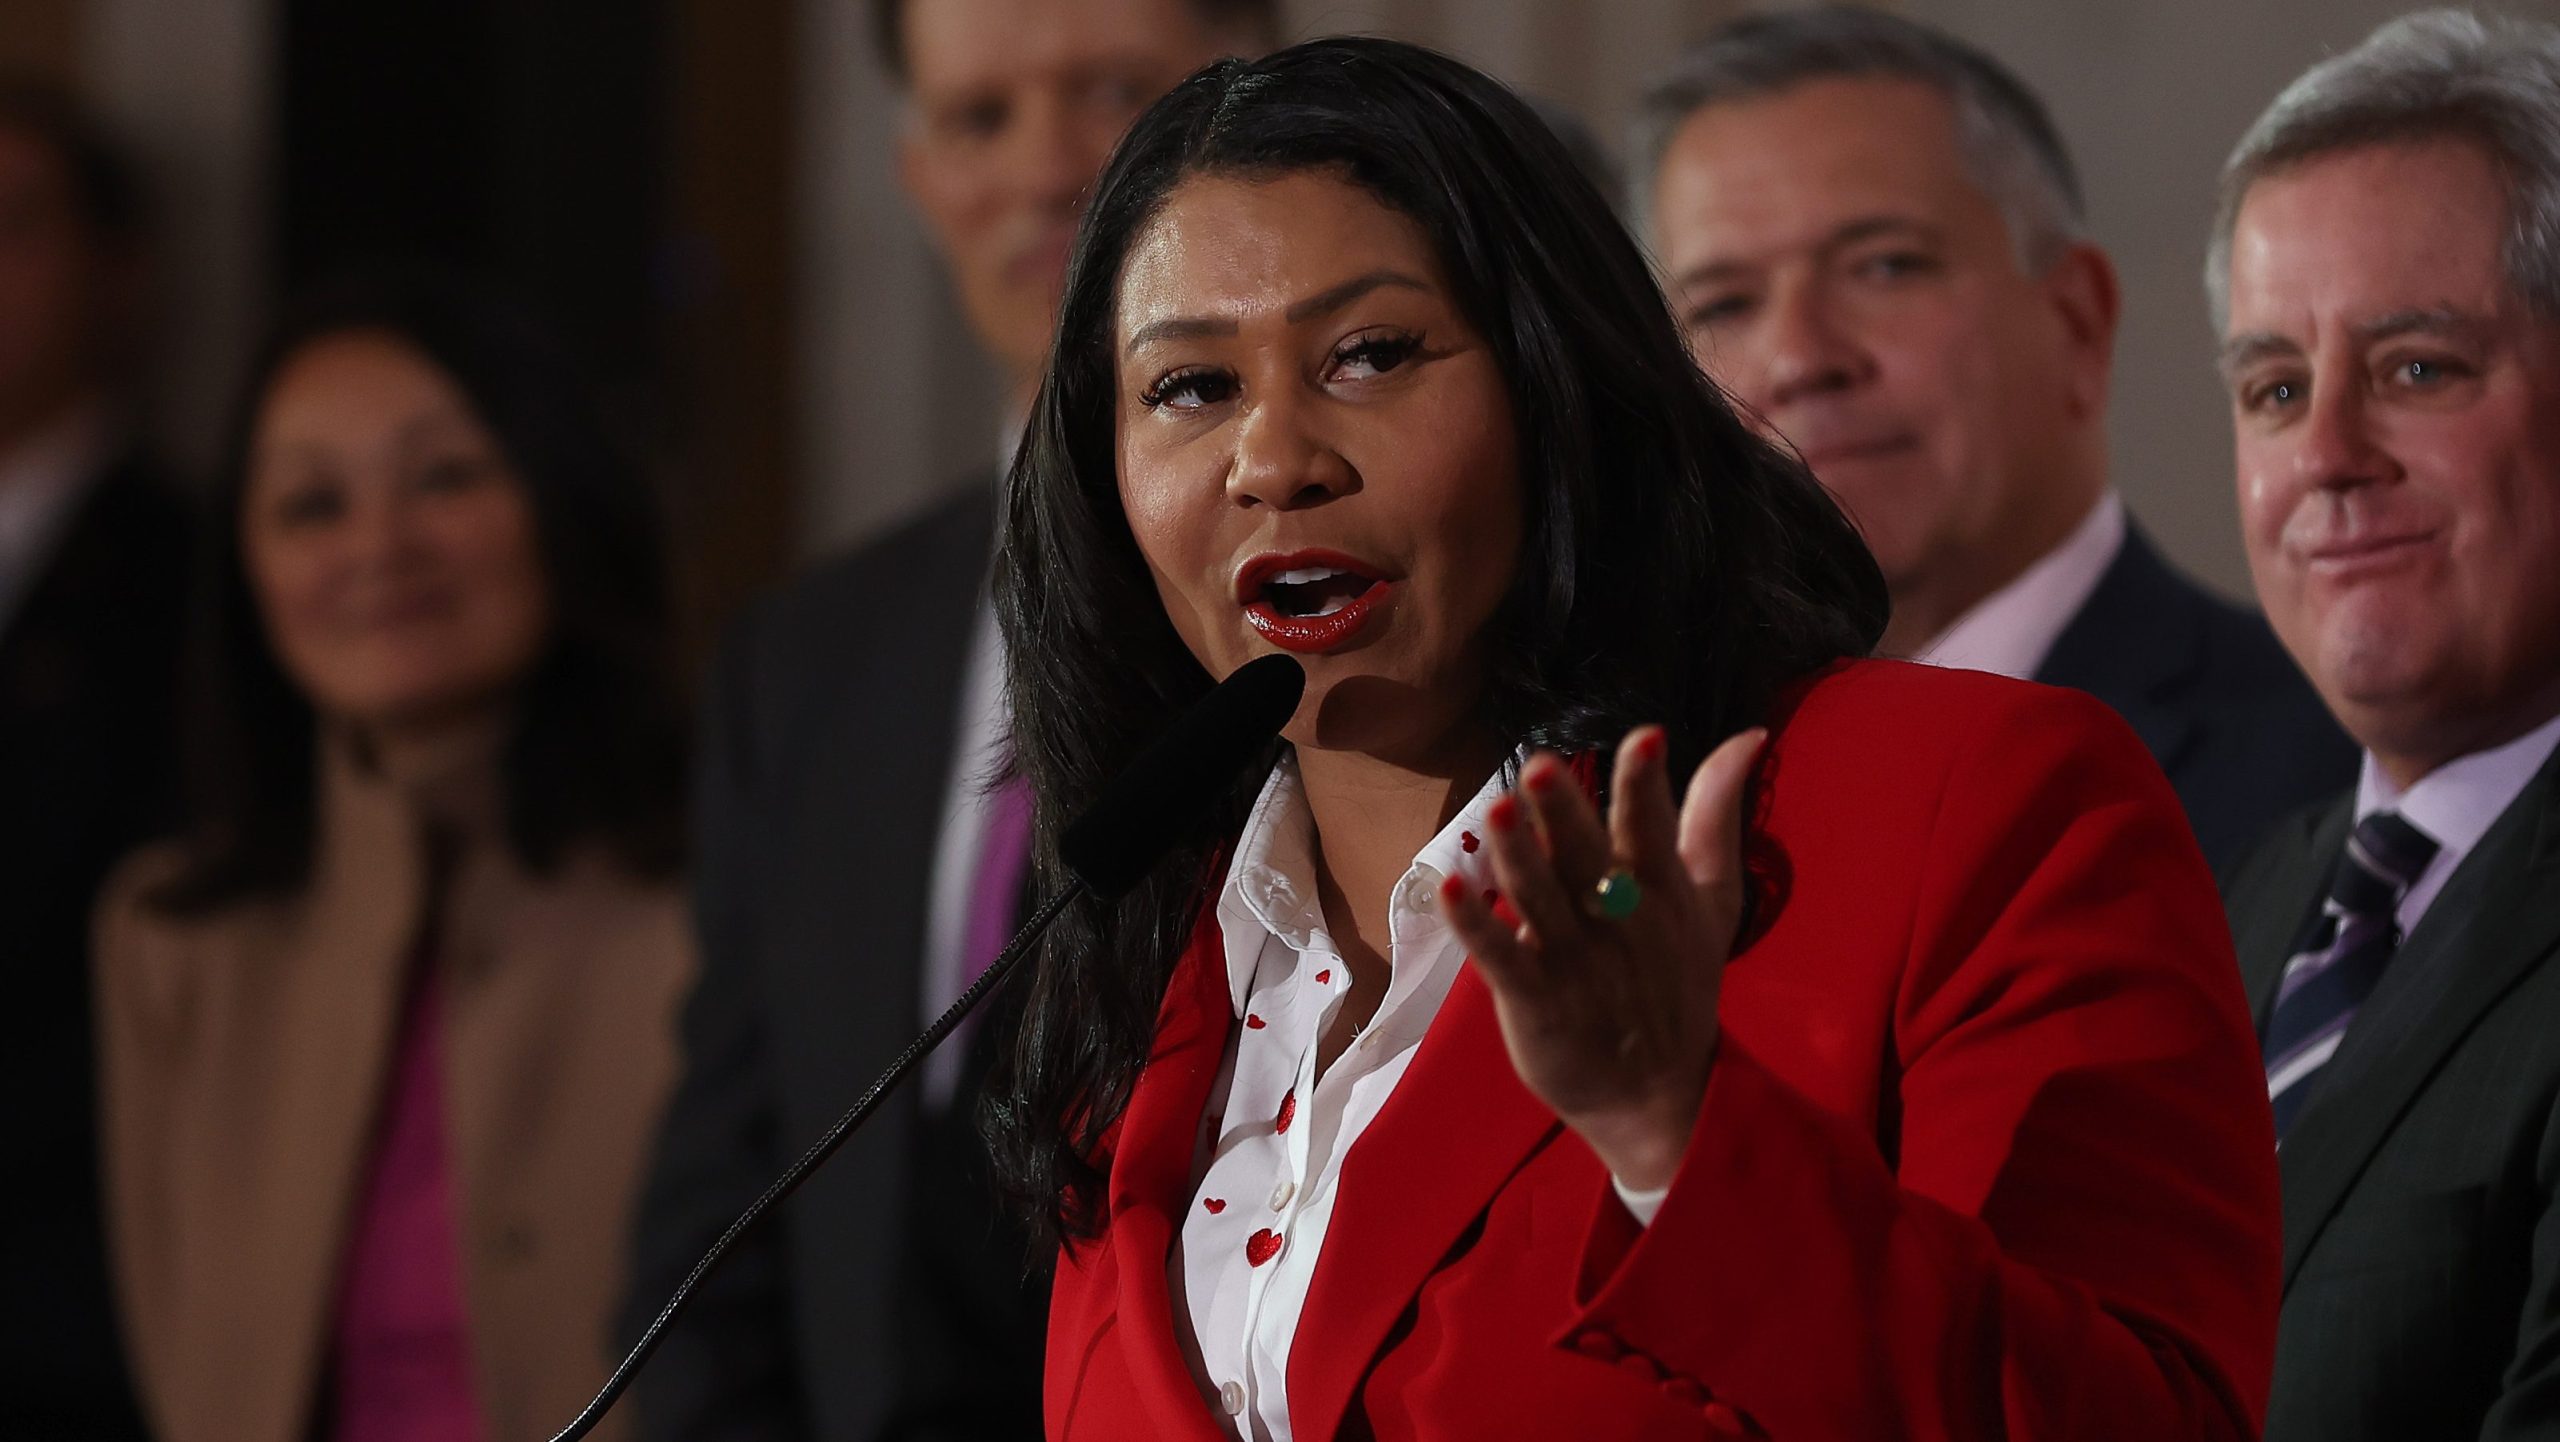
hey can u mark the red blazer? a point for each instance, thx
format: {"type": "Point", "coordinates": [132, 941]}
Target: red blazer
{"type": "Point", "coordinates": [1985, 1153]}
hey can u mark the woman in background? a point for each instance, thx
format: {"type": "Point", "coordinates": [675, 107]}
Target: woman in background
{"type": "Point", "coordinates": [385, 1033]}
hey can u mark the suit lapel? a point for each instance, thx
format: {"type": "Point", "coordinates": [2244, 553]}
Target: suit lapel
{"type": "Point", "coordinates": [2132, 644]}
{"type": "Point", "coordinates": [1151, 1181]}
{"type": "Point", "coordinates": [2497, 920]}
{"type": "Point", "coordinates": [2296, 876]}
{"type": "Point", "coordinates": [1458, 1125]}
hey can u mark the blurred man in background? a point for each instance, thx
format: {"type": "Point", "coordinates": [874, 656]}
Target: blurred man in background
{"type": "Point", "coordinates": [855, 870]}
{"type": "Point", "coordinates": [92, 559]}
{"type": "Point", "coordinates": [1874, 237]}
{"type": "Point", "coordinates": [2386, 276]}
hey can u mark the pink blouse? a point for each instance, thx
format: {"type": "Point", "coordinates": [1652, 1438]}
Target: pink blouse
{"type": "Point", "coordinates": [402, 1360]}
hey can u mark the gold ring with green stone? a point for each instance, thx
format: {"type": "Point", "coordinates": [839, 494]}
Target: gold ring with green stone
{"type": "Point", "coordinates": [1615, 896]}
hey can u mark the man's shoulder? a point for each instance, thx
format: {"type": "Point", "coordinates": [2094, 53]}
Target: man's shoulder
{"type": "Point", "coordinates": [932, 564]}
{"type": "Point", "coordinates": [951, 540]}
{"type": "Point", "coordinates": [130, 533]}
{"type": "Point", "coordinates": [2229, 646]}
{"type": "Point", "coordinates": [2268, 892]}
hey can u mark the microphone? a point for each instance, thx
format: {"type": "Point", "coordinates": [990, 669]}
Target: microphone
{"type": "Point", "coordinates": [1153, 803]}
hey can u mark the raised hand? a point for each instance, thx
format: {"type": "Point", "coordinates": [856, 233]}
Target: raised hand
{"type": "Point", "coordinates": [1610, 1012]}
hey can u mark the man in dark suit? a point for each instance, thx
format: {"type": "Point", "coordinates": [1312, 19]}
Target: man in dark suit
{"type": "Point", "coordinates": [854, 872]}
{"type": "Point", "coordinates": [92, 558]}
{"type": "Point", "coordinates": [2386, 275]}
{"type": "Point", "coordinates": [1874, 237]}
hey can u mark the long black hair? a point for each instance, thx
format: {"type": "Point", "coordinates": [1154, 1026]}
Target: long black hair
{"type": "Point", "coordinates": [1674, 567]}
{"type": "Point", "coordinates": [597, 753]}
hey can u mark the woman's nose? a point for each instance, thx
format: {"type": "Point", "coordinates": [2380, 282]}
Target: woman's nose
{"type": "Point", "coordinates": [1282, 460]}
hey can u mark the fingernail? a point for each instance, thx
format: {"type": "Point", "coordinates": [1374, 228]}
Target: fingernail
{"type": "Point", "coordinates": [1652, 745]}
{"type": "Point", "coordinates": [1504, 814]}
{"type": "Point", "coordinates": [1452, 890]}
{"type": "Point", "coordinates": [1541, 776]}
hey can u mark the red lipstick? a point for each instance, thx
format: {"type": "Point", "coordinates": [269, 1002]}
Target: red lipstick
{"type": "Point", "coordinates": [1312, 600]}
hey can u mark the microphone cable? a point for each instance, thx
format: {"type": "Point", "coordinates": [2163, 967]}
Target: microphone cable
{"type": "Point", "coordinates": [1138, 817]}
{"type": "Point", "coordinates": [816, 1157]}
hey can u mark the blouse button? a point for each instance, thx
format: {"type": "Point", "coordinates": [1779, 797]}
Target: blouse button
{"type": "Point", "coordinates": [1281, 1194]}
{"type": "Point", "coordinates": [1231, 1397]}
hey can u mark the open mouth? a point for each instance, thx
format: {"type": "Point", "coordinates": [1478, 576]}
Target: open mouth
{"type": "Point", "coordinates": [1314, 590]}
{"type": "Point", "coordinates": [1309, 600]}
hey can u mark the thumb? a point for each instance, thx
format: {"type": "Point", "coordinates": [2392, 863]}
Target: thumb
{"type": "Point", "coordinates": [1711, 814]}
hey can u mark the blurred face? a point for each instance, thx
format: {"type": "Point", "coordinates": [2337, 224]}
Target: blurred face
{"type": "Point", "coordinates": [1840, 272]}
{"type": "Point", "coordinates": [1016, 104]}
{"type": "Point", "coordinates": [388, 541]}
{"type": "Point", "coordinates": [2397, 415]}
{"type": "Point", "coordinates": [52, 285]}
{"type": "Point", "coordinates": [1316, 454]}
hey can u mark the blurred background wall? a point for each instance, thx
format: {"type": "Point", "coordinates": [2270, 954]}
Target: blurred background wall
{"type": "Point", "coordinates": [701, 192]}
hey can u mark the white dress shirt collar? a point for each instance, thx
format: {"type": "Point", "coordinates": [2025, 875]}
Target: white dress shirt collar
{"type": "Point", "coordinates": [2456, 804]}
{"type": "Point", "coordinates": [1270, 884]}
{"type": "Point", "coordinates": [41, 484]}
{"type": "Point", "coordinates": [1277, 1130]}
{"type": "Point", "coordinates": [2012, 630]}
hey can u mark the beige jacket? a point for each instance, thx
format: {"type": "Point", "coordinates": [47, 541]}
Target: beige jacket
{"type": "Point", "coordinates": [245, 1055]}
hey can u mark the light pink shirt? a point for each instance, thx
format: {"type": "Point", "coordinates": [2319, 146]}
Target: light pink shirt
{"type": "Point", "coordinates": [2456, 804]}
{"type": "Point", "coordinates": [402, 1359]}
{"type": "Point", "coordinates": [2012, 630]}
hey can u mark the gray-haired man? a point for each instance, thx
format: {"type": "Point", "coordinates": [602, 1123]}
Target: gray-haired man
{"type": "Point", "coordinates": [2386, 273]}
{"type": "Point", "coordinates": [1873, 235]}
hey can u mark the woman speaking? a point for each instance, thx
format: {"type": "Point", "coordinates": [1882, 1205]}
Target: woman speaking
{"type": "Point", "coordinates": [1894, 1082]}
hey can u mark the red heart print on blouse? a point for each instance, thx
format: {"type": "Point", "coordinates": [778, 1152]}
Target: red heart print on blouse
{"type": "Point", "coordinates": [1254, 1023]}
{"type": "Point", "coordinates": [1288, 1113]}
{"type": "Point", "coordinates": [1214, 1204]}
{"type": "Point", "coordinates": [1324, 976]}
{"type": "Point", "coordinates": [1467, 842]}
{"type": "Point", "coordinates": [1261, 1246]}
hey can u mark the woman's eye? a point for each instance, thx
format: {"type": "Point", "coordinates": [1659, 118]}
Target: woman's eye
{"type": "Point", "coordinates": [310, 505]}
{"type": "Point", "coordinates": [454, 473]}
{"type": "Point", "coordinates": [1189, 390]}
{"type": "Point", "coordinates": [1376, 355]}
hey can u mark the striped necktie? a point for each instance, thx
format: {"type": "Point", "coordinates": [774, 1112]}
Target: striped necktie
{"type": "Point", "coordinates": [2341, 957]}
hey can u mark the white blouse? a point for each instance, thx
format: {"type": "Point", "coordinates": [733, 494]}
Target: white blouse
{"type": "Point", "coordinates": [1275, 1135]}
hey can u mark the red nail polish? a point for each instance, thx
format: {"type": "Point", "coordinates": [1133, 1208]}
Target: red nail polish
{"type": "Point", "coordinates": [1452, 890]}
{"type": "Point", "coordinates": [1503, 814]}
{"type": "Point", "coordinates": [1653, 746]}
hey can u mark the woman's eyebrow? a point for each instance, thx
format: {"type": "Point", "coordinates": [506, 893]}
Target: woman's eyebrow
{"type": "Point", "coordinates": [1181, 327]}
{"type": "Point", "coordinates": [1326, 302]}
{"type": "Point", "coordinates": [1322, 303]}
